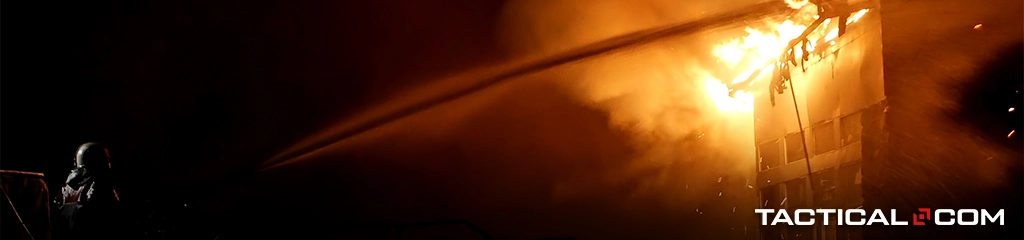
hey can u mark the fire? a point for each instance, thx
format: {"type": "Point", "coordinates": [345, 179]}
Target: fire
{"type": "Point", "coordinates": [759, 49]}
{"type": "Point", "coordinates": [741, 101]}
{"type": "Point", "coordinates": [796, 4]}
{"type": "Point", "coordinates": [856, 16]}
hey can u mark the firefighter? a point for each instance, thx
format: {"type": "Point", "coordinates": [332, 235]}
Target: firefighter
{"type": "Point", "coordinates": [87, 204]}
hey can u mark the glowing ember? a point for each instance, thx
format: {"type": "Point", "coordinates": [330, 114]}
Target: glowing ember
{"type": "Point", "coordinates": [1011, 110]}
{"type": "Point", "coordinates": [976, 27]}
{"type": "Point", "coordinates": [1011, 133]}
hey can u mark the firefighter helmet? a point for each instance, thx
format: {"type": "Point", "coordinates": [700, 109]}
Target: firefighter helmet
{"type": "Point", "coordinates": [92, 155]}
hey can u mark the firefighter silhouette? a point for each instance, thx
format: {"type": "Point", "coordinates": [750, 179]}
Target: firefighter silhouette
{"type": "Point", "coordinates": [88, 200]}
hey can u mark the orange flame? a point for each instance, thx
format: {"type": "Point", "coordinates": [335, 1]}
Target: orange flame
{"type": "Point", "coordinates": [759, 49]}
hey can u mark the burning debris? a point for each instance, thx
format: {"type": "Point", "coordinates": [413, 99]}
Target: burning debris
{"type": "Point", "coordinates": [774, 46]}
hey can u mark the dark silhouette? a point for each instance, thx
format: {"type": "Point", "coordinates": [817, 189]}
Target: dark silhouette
{"type": "Point", "coordinates": [88, 201]}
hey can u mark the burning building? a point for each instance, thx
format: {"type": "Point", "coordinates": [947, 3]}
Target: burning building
{"type": "Point", "coordinates": [824, 102]}
{"type": "Point", "coordinates": [808, 83]}
{"type": "Point", "coordinates": [832, 103]}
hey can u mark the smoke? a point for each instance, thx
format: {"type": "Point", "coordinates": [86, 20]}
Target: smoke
{"type": "Point", "coordinates": [658, 95]}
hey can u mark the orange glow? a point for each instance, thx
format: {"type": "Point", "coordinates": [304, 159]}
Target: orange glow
{"type": "Point", "coordinates": [796, 4]}
{"type": "Point", "coordinates": [832, 34]}
{"type": "Point", "coordinates": [761, 48]}
{"type": "Point", "coordinates": [856, 16]}
{"type": "Point", "coordinates": [758, 48]}
{"type": "Point", "coordinates": [976, 27]}
{"type": "Point", "coordinates": [741, 101]}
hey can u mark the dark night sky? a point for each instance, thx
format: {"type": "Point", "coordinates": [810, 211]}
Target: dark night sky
{"type": "Point", "coordinates": [174, 86]}
{"type": "Point", "coordinates": [189, 94]}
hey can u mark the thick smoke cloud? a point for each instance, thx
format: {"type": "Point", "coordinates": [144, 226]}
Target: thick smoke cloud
{"type": "Point", "coordinates": [611, 147]}
{"type": "Point", "coordinates": [657, 93]}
